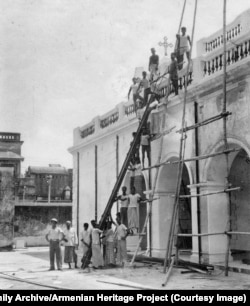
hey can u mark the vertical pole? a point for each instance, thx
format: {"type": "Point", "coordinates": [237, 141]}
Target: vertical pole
{"type": "Point", "coordinates": [78, 193]}
{"type": "Point", "coordinates": [150, 205]}
{"type": "Point", "coordinates": [117, 165]}
{"type": "Point", "coordinates": [96, 185]}
{"type": "Point", "coordinates": [225, 131]}
{"type": "Point", "coordinates": [197, 169]}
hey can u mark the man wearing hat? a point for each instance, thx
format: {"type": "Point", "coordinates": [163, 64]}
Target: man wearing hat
{"type": "Point", "coordinates": [153, 64]}
{"type": "Point", "coordinates": [54, 237]}
{"type": "Point", "coordinates": [71, 242]}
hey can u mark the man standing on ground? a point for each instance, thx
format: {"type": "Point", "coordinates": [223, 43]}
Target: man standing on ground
{"type": "Point", "coordinates": [121, 234]}
{"type": "Point", "coordinates": [71, 242]}
{"type": "Point", "coordinates": [54, 237]}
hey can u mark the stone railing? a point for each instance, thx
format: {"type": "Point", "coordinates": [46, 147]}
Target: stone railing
{"type": "Point", "coordinates": [235, 53]}
{"type": "Point", "coordinates": [9, 137]}
{"type": "Point", "coordinates": [218, 41]}
{"type": "Point", "coordinates": [110, 119]}
{"type": "Point", "coordinates": [130, 110]}
{"type": "Point", "coordinates": [87, 131]}
{"type": "Point", "coordinates": [239, 27]}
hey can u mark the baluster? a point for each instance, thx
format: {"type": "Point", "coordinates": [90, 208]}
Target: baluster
{"type": "Point", "coordinates": [237, 54]}
{"type": "Point", "coordinates": [220, 64]}
{"type": "Point", "coordinates": [233, 55]}
{"type": "Point", "coordinates": [213, 44]}
{"type": "Point", "coordinates": [209, 68]}
{"type": "Point", "coordinates": [239, 29]}
{"type": "Point", "coordinates": [228, 57]}
{"type": "Point", "coordinates": [190, 77]}
{"type": "Point", "coordinates": [205, 47]}
{"type": "Point", "coordinates": [180, 83]}
{"type": "Point", "coordinates": [241, 51]}
{"type": "Point", "coordinates": [232, 33]}
{"type": "Point", "coordinates": [248, 47]}
{"type": "Point", "coordinates": [245, 51]}
{"type": "Point", "coordinates": [205, 68]}
{"type": "Point", "coordinates": [221, 39]}
{"type": "Point", "coordinates": [216, 63]}
{"type": "Point", "coordinates": [229, 35]}
{"type": "Point", "coordinates": [212, 66]}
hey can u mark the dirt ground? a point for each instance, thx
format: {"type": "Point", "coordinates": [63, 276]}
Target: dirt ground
{"type": "Point", "coordinates": [28, 269]}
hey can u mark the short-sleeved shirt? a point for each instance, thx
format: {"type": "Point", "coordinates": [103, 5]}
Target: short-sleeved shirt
{"type": "Point", "coordinates": [55, 234]}
{"type": "Point", "coordinates": [121, 231]}
{"type": "Point", "coordinates": [71, 236]}
{"type": "Point", "coordinates": [145, 140]}
{"type": "Point", "coordinates": [133, 200]}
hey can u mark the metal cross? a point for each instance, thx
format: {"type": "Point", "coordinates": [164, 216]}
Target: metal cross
{"type": "Point", "coordinates": [165, 44]}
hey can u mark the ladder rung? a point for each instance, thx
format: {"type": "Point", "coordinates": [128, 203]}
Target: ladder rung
{"type": "Point", "coordinates": [207, 121]}
{"type": "Point", "coordinates": [210, 193]}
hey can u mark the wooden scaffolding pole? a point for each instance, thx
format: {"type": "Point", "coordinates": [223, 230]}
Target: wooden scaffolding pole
{"type": "Point", "coordinates": [180, 166]}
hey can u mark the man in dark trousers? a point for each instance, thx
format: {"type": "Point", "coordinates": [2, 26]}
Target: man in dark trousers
{"type": "Point", "coordinates": [153, 64]}
{"type": "Point", "coordinates": [54, 237]}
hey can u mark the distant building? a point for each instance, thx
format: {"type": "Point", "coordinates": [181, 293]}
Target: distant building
{"type": "Point", "coordinates": [10, 165]}
{"type": "Point", "coordinates": [36, 182]}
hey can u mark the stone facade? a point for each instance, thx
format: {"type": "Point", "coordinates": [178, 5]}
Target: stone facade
{"type": "Point", "coordinates": [100, 149]}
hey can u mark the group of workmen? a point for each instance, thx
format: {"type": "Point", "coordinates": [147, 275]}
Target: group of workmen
{"type": "Point", "coordinates": [149, 84]}
{"type": "Point", "coordinates": [101, 248]}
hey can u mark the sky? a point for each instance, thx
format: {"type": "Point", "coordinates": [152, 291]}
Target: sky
{"type": "Point", "coordinates": [64, 62]}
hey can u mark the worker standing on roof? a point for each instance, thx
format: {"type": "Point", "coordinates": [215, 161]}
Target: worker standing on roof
{"type": "Point", "coordinates": [136, 94]}
{"type": "Point", "coordinates": [173, 73]}
{"type": "Point", "coordinates": [153, 64]}
{"type": "Point", "coordinates": [183, 46]}
{"type": "Point", "coordinates": [146, 86]}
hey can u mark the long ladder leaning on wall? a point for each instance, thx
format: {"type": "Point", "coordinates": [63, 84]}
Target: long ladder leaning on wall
{"type": "Point", "coordinates": [174, 227]}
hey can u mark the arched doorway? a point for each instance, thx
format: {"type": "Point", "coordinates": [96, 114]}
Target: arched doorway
{"type": "Point", "coordinates": [240, 207]}
{"type": "Point", "coordinates": [166, 188]}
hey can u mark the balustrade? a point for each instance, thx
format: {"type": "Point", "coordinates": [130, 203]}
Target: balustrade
{"type": "Point", "coordinates": [218, 41]}
{"type": "Point", "coordinates": [129, 110]}
{"type": "Point", "coordinates": [88, 131]}
{"type": "Point", "coordinates": [109, 120]}
{"type": "Point", "coordinates": [233, 55]}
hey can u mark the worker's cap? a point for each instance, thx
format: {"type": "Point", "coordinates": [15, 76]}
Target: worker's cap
{"type": "Point", "coordinates": [152, 49]}
{"type": "Point", "coordinates": [183, 28]}
{"type": "Point", "coordinates": [53, 220]}
{"type": "Point", "coordinates": [68, 222]}
{"type": "Point", "coordinates": [134, 79]}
